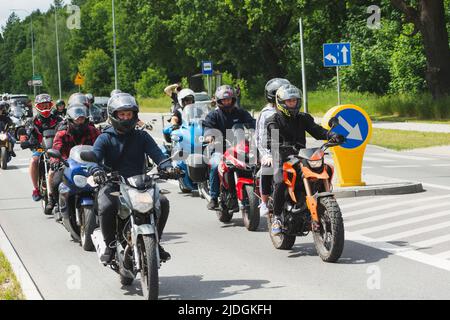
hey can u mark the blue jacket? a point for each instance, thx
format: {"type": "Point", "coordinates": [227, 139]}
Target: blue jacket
{"type": "Point", "coordinates": [126, 153]}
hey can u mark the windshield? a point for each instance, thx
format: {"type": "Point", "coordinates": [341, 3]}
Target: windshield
{"type": "Point", "coordinates": [76, 151]}
{"type": "Point", "coordinates": [194, 112]}
{"type": "Point", "coordinates": [16, 110]}
{"type": "Point", "coordinates": [138, 181]}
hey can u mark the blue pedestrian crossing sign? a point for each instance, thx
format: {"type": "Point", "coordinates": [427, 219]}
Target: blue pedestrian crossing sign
{"type": "Point", "coordinates": [354, 126]}
{"type": "Point", "coordinates": [337, 54]}
{"type": "Point", "coordinates": [207, 67]}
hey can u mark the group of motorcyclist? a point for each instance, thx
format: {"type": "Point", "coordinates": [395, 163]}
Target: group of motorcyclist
{"type": "Point", "coordinates": [123, 149]}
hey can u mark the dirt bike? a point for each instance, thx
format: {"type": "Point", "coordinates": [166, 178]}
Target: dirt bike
{"type": "Point", "coordinates": [310, 205]}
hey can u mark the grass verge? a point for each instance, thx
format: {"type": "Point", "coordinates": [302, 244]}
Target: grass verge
{"type": "Point", "coordinates": [9, 286]}
{"type": "Point", "coordinates": [407, 140]}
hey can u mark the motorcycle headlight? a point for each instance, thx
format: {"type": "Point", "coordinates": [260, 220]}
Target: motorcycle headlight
{"type": "Point", "coordinates": [80, 181]}
{"type": "Point", "coordinates": [3, 136]}
{"type": "Point", "coordinates": [141, 201]}
{"type": "Point", "coordinates": [315, 163]}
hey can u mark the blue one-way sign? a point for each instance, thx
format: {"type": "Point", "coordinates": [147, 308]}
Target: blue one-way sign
{"type": "Point", "coordinates": [337, 54]}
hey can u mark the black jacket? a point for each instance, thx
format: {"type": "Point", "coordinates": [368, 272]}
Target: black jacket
{"type": "Point", "coordinates": [4, 121]}
{"type": "Point", "coordinates": [293, 131]}
{"type": "Point", "coordinates": [221, 120]}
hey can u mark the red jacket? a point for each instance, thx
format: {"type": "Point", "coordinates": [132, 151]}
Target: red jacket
{"type": "Point", "coordinates": [64, 141]}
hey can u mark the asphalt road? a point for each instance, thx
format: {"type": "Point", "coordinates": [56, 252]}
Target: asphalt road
{"type": "Point", "coordinates": [397, 247]}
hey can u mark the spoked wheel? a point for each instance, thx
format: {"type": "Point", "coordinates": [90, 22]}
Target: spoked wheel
{"type": "Point", "coordinates": [280, 241]}
{"type": "Point", "coordinates": [250, 214]}
{"type": "Point", "coordinates": [4, 158]}
{"type": "Point", "coordinates": [329, 239]}
{"type": "Point", "coordinates": [147, 247]}
{"type": "Point", "coordinates": [42, 185]}
{"type": "Point", "coordinates": [87, 227]}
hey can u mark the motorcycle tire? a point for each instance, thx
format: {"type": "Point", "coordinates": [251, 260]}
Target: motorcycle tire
{"type": "Point", "coordinates": [329, 240]}
{"type": "Point", "coordinates": [88, 225]}
{"type": "Point", "coordinates": [250, 215]}
{"type": "Point", "coordinates": [147, 246]}
{"type": "Point", "coordinates": [280, 241]}
{"type": "Point", "coordinates": [4, 158]}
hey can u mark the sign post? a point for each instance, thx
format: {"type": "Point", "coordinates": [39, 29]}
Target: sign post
{"type": "Point", "coordinates": [355, 125]}
{"type": "Point", "coordinates": [337, 55]}
{"type": "Point", "coordinates": [207, 69]}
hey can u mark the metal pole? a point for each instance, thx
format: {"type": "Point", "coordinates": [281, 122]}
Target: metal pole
{"type": "Point", "coordinates": [57, 53]}
{"type": "Point", "coordinates": [114, 41]}
{"type": "Point", "coordinates": [305, 96]}
{"type": "Point", "coordinates": [338, 86]}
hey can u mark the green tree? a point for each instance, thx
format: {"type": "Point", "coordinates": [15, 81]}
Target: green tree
{"type": "Point", "coordinates": [151, 83]}
{"type": "Point", "coordinates": [96, 67]}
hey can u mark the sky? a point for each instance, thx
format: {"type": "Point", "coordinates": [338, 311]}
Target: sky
{"type": "Point", "coordinates": [30, 5]}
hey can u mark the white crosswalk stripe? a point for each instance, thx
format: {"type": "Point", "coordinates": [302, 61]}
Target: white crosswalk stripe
{"type": "Point", "coordinates": [390, 215]}
{"type": "Point", "coordinates": [394, 204]}
{"type": "Point", "coordinates": [431, 242]}
{"type": "Point", "coordinates": [403, 166]}
{"type": "Point", "coordinates": [443, 255]}
{"type": "Point", "coordinates": [375, 159]}
{"type": "Point", "coordinates": [416, 231]}
{"type": "Point", "coordinates": [401, 156]}
{"type": "Point", "coordinates": [365, 202]}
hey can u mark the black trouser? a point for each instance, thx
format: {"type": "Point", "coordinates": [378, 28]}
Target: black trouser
{"type": "Point", "coordinates": [57, 179]}
{"type": "Point", "coordinates": [279, 190]}
{"type": "Point", "coordinates": [108, 205]}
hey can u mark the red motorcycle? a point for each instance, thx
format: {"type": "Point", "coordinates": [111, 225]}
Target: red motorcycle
{"type": "Point", "coordinates": [237, 187]}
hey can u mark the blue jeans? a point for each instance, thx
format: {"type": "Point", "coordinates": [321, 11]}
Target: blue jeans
{"type": "Point", "coordinates": [214, 182]}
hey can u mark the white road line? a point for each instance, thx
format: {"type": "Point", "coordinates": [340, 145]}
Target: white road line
{"type": "Point", "coordinates": [403, 166]}
{"type": "Point", "coordinates": [405, 252]}
{"type": "Point", "coordinates": [441, 165]}
{"type": "Point", "coordinates": [372, 159]}
{"type": "Point", "coordinates": [366, 202]}
{"type": "Point", "coordinates": [390, 215]}
{"type": "Point", "coordinates": [411, 232]}
{"type": "Point", "coordinates": [437, 186]}
{"type": "Point", "coordinates": [443, 255]}
{"type": "Point", "coordinates": [395, 204]}
{"type": "Point", "coordinates": [401, 156]}
{"type": "Point", "coordinates": [431, 242]}
{"type": "Point", "coordinates": [29, 288]}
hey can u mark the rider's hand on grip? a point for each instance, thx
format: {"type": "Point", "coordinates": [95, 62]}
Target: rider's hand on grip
{"type": "Point", "coordinates": [99, 177]}
{"type": "Point", "coordinates": [334, 137]}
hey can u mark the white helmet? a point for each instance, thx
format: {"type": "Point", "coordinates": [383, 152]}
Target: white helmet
{"type": "Point", "coordinates": [183, 94]}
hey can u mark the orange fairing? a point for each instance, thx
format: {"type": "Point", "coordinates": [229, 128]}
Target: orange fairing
{"type": "Point", "coordinates": [307, 173]}
{"type": "Point", "coordinates": [288, 170]}
{"type": "Point", "coordinates": [311, 202]}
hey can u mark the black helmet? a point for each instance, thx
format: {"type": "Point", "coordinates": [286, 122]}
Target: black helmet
{"type": "Point", "coordinates": [284, 93]}
{"type": "Point", "coordinates": [60, 102]}
{"type": "Point", "coordinates": [272, 86]}
{"type": "Point", "coordinates": [225, 92]}
{"type": "Point", "coordinates": [122, 102]}
{"type": "Point", "coordinates": [3, 107]}
{"type": "Point", "coordinates": [90, 98]}
{"type": "Point", "coordinates": [78, 98]}
{"type": "Point", "coordinates": [115, 91]}
{"type": "Point", "coordinates": [74, 112]}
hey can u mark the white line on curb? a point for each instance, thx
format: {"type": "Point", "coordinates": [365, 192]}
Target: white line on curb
{"type": "Point", "coordinates": [29, 288]}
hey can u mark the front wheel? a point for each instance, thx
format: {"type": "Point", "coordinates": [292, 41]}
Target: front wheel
{"type": "Point", "coordinates": [329, 239]}
{"type": "Point", "coordinates": [147, 247]}
{"type": "Point", "coordinates": [87, 227]}
{"type": "Point", "coordinates": [280, 241]}
{"type": "Point", "coordinates": [4, 158]}
{"type": "Point", "coordinates": [250, 213]}
{"type": "Point", "coordinates": [183, 188]}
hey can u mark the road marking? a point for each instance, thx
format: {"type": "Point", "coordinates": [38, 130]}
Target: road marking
{"type": "Point", "coordinates": [431, 242]}
{"type": "Point", "coordinates": [390, 215]}
{"type": "Point", "coordinates": [443, 255]}
{"type": "Point", "coordinates": [437, 186]}
{"type": "Point", "coordinates": [400, 156]}
{"type": "Point", "coordinates": [372, 159]}
{"type": "Point", "coordinates": [403, 166]}
{"type": "Point", "coordinates": [405, 252]}
{"type": "Point", "coordinates": [410, 221]}
{"type": "Point", "coordinates": [441, 165]}
{"type": "Point", "coordinates": [414, 232]}
{"type": "Point", "coordinates": [29, 288]}
{"type": "Point", "coordinates": [366, 202]}
{"type": "Point", "coordinates": [395, 204]}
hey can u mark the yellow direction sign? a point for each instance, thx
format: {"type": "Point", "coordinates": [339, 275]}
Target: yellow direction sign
{"type": "Point", "coordinates": [79, 79]}
{"type": "Point", "coordinates": [355, 125]}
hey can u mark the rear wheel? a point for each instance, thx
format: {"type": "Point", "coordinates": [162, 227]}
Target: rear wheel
{"type": "Point", "coordinates": [4, 158]}
{"type": "Point", "coordinates": [329, 239]}
{"type": "Point", "coordinates": [224, 213]}
{"type": "Point", "coordinates": [250, 214]}
{"type": "Point", "coordinates": [87, 227]}
{"type": "Point", "coordinates": [42, 186]}
{"type": "Point", "coordinates": [147, 247]}
{"type": "Point", "coordinates": [182, 187]}
{"type": "Point", "coordinates": [280, 241]}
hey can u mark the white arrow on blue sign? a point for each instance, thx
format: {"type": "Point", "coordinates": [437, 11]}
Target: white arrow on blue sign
{"type": "Point", "coordinates": [354, 126]}
{"type": "Point", "coordinates": [207, 67]}
{"type": "Point", "coordinates": [337, 54]}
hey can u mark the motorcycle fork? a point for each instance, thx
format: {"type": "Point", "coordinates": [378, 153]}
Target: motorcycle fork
{"type": "Point", "coordinates": [46, 176]}
{"type": "Point", "coordinates": [311, 202]}
{"type": "Point", "coordinates": [240, 203]}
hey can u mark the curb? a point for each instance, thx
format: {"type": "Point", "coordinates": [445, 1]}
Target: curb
{"type": "Point", "coordinates": [29, 288]}
{"type": "Point", "coordinates": [379, 190]}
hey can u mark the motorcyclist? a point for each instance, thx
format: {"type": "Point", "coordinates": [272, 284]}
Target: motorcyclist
{"type": "Point", "coordinates": [78, 131]}
{"type": "Point", "coordinates": [122, 148]}
{"type": "Point", "coordinates": [44, 120]}
{"type": "Point", "coordinates": [5, 121]}
{"type": "Point", "coordinates": [60, 108]}
{"type": "Point", "coordinates": [185, 97]}
{"type": "Point", "coordinates": [292, 126]}
{"type": "Point", "coordinates": [261, 139]}
{"type": "Point", "coordinates": [90, 98]}
{"type": "Point", "coordinates": [222, 119]}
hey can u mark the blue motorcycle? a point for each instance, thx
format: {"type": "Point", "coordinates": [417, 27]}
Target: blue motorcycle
{"type": "Point", "coordinates": [77, 197]}
{"type": "Point", "coordinates": [188, 138]}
